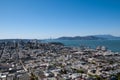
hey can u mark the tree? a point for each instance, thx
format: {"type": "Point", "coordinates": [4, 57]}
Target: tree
{"type": "Point", "coordinates": [33, 77]}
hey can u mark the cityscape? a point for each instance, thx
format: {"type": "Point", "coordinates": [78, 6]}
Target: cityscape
{"type": "Point", "coordinates": [35, 60]}
{"type": "Point", "coordinates": [59, 39]}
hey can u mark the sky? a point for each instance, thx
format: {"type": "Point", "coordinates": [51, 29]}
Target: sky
{"type": "Point", "coordinates": [42, 19]}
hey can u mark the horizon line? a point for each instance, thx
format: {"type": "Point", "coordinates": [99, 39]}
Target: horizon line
{"type": "Point", "coordinates": [56, 37]}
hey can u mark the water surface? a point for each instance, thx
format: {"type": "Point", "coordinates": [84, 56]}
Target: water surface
{"type": "Point", "coordinates": [113, 45]}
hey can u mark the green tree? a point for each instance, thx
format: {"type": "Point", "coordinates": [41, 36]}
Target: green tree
{"type": "Point", "coordinates": [33, 77]}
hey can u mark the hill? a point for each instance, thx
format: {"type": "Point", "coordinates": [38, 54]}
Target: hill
{"type": "Point", "coordinates": [93, 37]}
{"type": "Point", "coordinates": [80, 38]}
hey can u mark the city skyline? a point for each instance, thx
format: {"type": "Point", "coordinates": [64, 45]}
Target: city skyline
{"type": "Point", "coordinates": [41, 19]}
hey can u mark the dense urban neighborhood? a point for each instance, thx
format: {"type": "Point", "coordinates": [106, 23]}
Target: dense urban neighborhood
{"type": "Point", "coordinates": [35, 60]}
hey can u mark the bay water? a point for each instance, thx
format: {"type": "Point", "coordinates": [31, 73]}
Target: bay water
{"type": "Point", "coordinates": [113, 45]}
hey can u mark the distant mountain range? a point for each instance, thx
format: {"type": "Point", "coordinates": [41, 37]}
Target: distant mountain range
{"type": "Point", "coordinates": [93, 37]}
{"type": "Point", "coordinates": [110, 37]}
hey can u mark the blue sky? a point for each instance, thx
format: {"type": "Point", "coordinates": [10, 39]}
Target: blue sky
{"type": "Point", "coordinates": [54, 18]}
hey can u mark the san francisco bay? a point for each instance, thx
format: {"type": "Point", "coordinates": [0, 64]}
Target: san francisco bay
{"type": "Point", "coordinates": [113, 45]}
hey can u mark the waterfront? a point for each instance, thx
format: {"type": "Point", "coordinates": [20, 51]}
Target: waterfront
{"type": "Point", "coordinates": [34, 60]}
{"type": "Point", "coordinates": [113, 45]}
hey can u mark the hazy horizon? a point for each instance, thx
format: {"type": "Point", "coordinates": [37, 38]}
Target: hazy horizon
{"type": "Point", "coordinates": [43, 19]}
{"type": "Point", "coordinates": [62, 36]}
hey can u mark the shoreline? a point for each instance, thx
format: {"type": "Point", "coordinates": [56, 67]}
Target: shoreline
{"type": "Point", "coordinates": [55, 61]}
